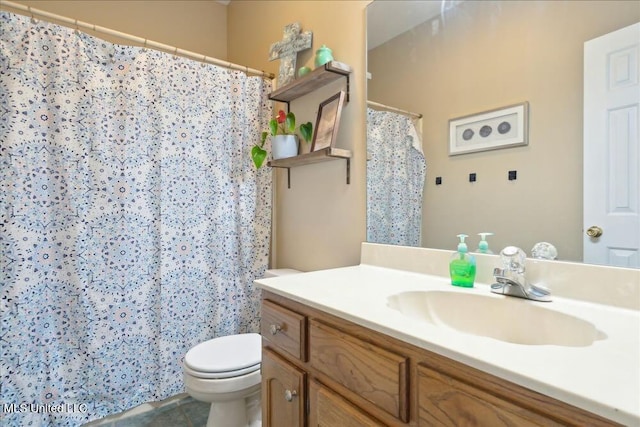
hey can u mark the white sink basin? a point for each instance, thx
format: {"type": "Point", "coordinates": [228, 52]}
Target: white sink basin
{"type": "Point", "coordinates": [503, 318]}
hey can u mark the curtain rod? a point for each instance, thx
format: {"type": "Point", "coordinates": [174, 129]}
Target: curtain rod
{"type": "Point", "coordinates": [74, 23]}
{"type": "Point", "coordinates": [393, 109]}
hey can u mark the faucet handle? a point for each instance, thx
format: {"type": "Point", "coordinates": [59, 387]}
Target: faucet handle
{"type": "Point", "coordinates": [506, 277]}
{"type": "Point", "coordinates": [513, 259]}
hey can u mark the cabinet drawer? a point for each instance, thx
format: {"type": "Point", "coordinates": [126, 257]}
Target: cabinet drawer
{"type": "Point", "coordinates": [285, 329]}
{"type": "Point", "coordinates": [373, 373]}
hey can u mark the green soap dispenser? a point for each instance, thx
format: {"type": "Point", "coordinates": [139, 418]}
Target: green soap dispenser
{"type": "Point", "coordinates": [483, 245]}
{"type": "Point", "coordinates": [462, 267]}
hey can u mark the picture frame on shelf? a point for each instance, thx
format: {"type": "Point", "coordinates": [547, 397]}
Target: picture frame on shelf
{"type": "Point", "coordinates": [490, 130]}
{"type": "Point", "coordinates": [327, 122]}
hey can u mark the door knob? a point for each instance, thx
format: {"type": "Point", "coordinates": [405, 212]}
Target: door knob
{"type": "Point", "coordinates": [594, 231]}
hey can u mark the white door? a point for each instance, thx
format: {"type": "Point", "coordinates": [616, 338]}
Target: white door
{"type": "Point", "coordinates": [611, 148]}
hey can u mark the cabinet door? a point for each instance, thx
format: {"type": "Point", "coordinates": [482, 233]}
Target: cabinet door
{"type": "Point", "coordinates": [328, 409]}
{"type": "Point", "coordinates": [446, 401]}
{"type": "Point", "coordinates": [371, 372]}
{"type": "Point", "coordinates": [283, 392]}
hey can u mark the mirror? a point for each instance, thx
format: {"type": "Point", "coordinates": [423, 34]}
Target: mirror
{"type": "Point", "coordinates": [452, 59]}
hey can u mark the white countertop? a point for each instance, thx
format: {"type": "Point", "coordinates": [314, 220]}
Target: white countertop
{"type": "Point", "coordinates": [603, 378]}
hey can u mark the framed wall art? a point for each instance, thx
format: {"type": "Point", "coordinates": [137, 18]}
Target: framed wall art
{"type": "Point", "coordinates": [490, 130]}
{"type": "Point", "coordinates": [327, 122]}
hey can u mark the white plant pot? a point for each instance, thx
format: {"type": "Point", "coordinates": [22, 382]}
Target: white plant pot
{"type": "Point", "coordinates": [283, 146]}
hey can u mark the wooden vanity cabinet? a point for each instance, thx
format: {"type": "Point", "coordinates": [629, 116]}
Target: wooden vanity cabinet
{"type": "Point", "coordinates": [320, 370]}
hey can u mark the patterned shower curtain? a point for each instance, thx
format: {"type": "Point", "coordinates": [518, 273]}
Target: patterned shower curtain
{"type": "Point", "coordinates": [396, 170]}
{"type": "Point", "coordinates": [133, 222]}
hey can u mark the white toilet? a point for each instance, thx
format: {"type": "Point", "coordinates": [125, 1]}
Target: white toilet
{"type": "Point", "coordinates": [226, 372]}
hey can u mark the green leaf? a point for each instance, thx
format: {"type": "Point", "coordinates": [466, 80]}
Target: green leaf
{"type": "Point", "coordinates": [263, 138]}
{"type": "Point", "coordinates": [306, 129]}
{"type": "Point", "coordinates": [258, 154]}
{"type": "Point", "coordinates": [273, 126]}
{"type": "Point", "coordinates": [290, 122]}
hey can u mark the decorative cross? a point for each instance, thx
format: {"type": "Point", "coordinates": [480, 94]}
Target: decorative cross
{"type": "Point", "coordinates": [287, 51]}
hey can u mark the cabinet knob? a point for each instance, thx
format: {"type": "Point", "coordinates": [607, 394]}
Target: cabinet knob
{"type": "Point", "coordinates": [289, 395]}
{"type": "Point", "coordinates": [275, 329]}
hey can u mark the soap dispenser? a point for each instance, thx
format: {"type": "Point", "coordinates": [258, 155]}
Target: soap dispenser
{"type": "Point", "coordinates": [483, 245]}
{"type": "Point", "coordinates": [462, 267]}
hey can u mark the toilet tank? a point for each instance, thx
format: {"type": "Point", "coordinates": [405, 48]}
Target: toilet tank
{"type": "Point", "coordinates": [280, 272]}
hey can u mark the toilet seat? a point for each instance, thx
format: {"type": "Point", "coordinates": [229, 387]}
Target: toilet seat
{"type": "Point", "coordinates": [224, 357]}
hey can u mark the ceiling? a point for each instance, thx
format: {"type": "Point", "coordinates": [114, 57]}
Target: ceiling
{"type": "Point", "coordinates": [386, 20]}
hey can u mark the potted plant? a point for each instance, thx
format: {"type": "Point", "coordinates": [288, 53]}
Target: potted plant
{"type": "Point", "coordinates": [284, 141]}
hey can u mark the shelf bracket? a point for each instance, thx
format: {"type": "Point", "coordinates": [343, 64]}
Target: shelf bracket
{"type": "Point", "coordinates": [347, 76]}
{"type": "Point", "coordinates": [328, 68]}
{"type": "Point", "coordinates": [288, 177]}
{"type": "Point", "coordinates": [348, 171]}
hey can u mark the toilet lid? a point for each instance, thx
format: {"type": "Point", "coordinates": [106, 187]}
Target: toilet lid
{"type": "Point", "coordinates": [226, 354]}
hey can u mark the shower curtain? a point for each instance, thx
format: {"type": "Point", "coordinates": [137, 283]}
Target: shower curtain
{"type": "Point", "coordinates": [133, 222]}
{"type": "Point", "coordinates": [396, 170]}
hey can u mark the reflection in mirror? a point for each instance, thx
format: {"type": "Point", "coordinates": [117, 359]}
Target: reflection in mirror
{"type": "Point", "coordinates": [451, 59]}
{"type": "Point", "coordinates": [395, 176]}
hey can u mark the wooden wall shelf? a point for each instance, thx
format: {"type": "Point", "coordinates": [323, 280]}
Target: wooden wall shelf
{"type": "Point", "coordinates": [321, 76]}
{"type": "Point", "coordinates": [316, 79]}
{"type": "Point", "coordinates": [323, 155]}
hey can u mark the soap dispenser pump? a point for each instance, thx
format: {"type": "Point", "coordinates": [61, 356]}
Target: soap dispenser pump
{"type": "Point", "coordinates": [462, 267]}
{"type": "Point", "coordinates": [483, 245]}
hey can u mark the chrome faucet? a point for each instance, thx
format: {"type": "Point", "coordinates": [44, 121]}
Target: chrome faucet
{"type": "Point", "coordinates": [511, 279]}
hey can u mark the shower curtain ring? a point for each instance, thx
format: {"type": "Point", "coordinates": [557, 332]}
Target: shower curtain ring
{"type": "Point", "coordinates": [33, 18]}
{"type": "Point", "coordinates": [204, 61]}
{"type": "Point", "coordinates": [175, 53]}
{"type": "Point", "coordinates": [77, 29]}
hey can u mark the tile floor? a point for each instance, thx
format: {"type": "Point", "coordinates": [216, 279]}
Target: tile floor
{"type": "Point", "coordinates": [181, 412]}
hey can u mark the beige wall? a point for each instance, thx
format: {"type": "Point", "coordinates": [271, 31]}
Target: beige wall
{"type": "Point", "coordinates": [320, 221]}
{"type": "Point", "coordinates": [513, 52]}
{"type": "Point", "coordinates": [197, 26]}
